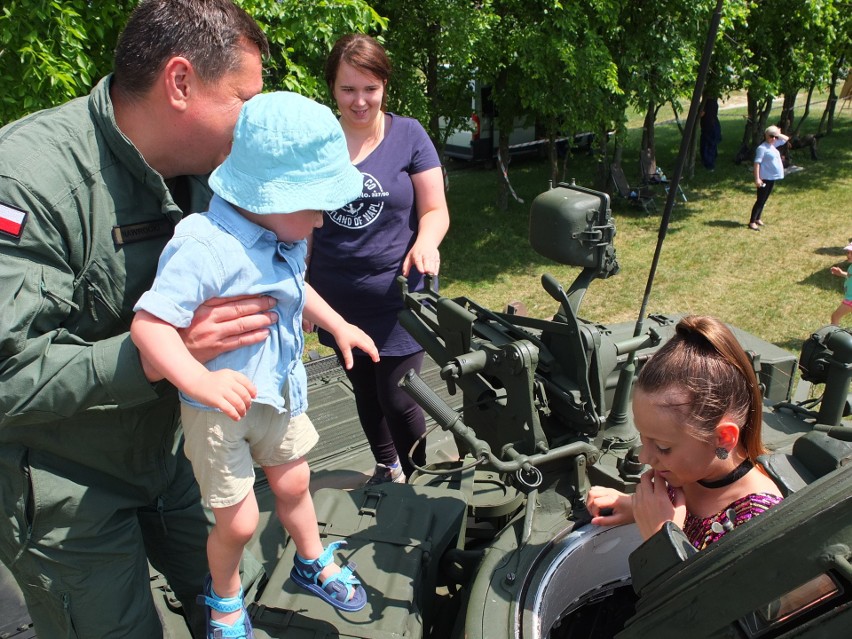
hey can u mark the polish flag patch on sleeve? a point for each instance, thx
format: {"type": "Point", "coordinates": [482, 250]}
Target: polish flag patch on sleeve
{"type": "Point", "coordinates": [12, 220]}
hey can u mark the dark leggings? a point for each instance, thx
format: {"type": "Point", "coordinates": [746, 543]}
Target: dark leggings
{"type": "Point", "coordinates": [762, 195]}
{"type": "Point", "coordinates": [391, 420]}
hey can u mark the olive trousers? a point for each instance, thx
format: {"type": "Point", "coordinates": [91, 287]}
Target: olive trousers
{"type": "Point", "coordinates": [78, 543]}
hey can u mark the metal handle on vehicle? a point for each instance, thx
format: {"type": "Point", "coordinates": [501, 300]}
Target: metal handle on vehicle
{"type": "Point", "coordinates": [445, 416]}
{"type": "Point", "coordinates": [450, 420]}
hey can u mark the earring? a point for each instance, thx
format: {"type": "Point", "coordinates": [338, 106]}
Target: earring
{"type": "Point", "coordinates": [722, 453]}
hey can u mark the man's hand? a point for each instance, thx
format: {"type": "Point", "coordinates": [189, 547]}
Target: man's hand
{"type": "Point", "coordinates": [225, 324]}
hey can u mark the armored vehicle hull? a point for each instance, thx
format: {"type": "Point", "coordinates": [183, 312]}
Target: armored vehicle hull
{"type": "Point", "coordinates": [491, 538]}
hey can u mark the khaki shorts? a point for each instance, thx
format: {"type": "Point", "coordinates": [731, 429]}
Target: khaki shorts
{"type": "Point", "coordinates": [222, 450]}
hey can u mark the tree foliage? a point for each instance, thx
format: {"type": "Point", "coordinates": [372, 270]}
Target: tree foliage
{"type": "Point", "coordinates": [51, 51]}
{"type": "Point", "coordinates": [302, 33]}
{"type": "Point", "coordinates": [778, 48]}
{"type": "Point", "coordinates": [55, 50]}
{"type": "Point", "coordinates": [567, 66]}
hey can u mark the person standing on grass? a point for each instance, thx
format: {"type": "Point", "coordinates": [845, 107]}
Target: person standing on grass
{"type": "Point", "coordinates": [846, 305]}
{"type": "Point", "coordinates": [711, 132]}
{"type": "Point", "coordinates": [768, 169]}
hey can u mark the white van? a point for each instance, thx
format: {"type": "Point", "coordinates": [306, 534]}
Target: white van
{"type": "Point", "coordinates": [479, 138]}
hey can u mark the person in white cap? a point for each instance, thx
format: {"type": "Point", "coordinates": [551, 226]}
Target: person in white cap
{"type": "Point", "coordinates": [768, 169]}
{"type": "Point", "coordinates": [846, 305]}
{"type": "Point", "coordinates": [288, 163]}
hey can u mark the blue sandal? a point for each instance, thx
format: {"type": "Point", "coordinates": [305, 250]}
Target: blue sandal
{"type": "Point", "coordinates": [335, 589]}
{"type": "Point", "coordinates": [210, 600]}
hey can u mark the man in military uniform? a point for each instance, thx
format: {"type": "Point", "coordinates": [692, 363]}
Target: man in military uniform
{"type": "Point", "coordinates": [93, 481]}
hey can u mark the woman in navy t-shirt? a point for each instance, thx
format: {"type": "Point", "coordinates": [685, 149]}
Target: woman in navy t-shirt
{"type": "Point", "coordinates": [393, 229]}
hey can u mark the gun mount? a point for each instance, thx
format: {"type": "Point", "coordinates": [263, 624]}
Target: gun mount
{"type": "Point", "coordinates": [536, 387]}
{"type": "Point", "coordinates": [496, 543]}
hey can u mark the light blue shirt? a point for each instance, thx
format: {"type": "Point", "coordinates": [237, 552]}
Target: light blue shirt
{"type": "Point", "coordinates": [769, 159]}
{"type": "Point", "coordinates": [222, 254]}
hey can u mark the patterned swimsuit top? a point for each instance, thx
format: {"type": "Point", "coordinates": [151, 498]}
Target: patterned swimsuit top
{"type": "Point", "coordinates": [703, 532]}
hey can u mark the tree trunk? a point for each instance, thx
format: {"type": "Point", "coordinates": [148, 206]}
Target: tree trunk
{"type": "Point", "coordinates": [689, 167]}
{"type": "Point", "coordinates": [807, 108]}
{"type": "Point", "coordinates": [503, 160]}
{"type": "Point", "coordinates": [758, 112]}
{"type": "Point", "coordinates": [787, 112]}
{"type": "Point", "coordinates": [566, 161]}
{"type": "Point", "coordinates": [553, 158]}
{"type": "Point", "coordinates": [552, 155]}
{"type": "Point", "coordinates": [504, 119]}
{"type": "Point", "coordinates": [602, 173]}
{"type": "Point", "coordinates": [648, 138]}
{"type": "Point", "coordinates": [827, 121]}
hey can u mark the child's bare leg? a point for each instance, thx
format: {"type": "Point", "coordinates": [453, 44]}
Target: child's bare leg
{"type": "Point", "coordinates": [290, 483]}
{"type": "Point", "coordinates": [840, 311]}
{"type": "Point", "coordinates": [234, 528]}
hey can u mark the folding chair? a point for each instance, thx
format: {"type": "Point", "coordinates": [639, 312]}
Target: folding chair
{"type": "Point", "coordinates": [653, 175]}
{"type": "Point", "coordinates": [641, 197]}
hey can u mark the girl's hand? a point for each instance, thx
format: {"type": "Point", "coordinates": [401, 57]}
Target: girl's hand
{"type": "Point", "coordinates": [836, 270]}
{"type": "Point", "coordinates": [609, 507]}
{"type": "Point", "coordinates": [652, 506]}
{"type": "Point", "coordinates": [229, 391]}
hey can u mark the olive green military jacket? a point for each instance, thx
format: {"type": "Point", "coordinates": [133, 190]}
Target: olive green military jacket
{"type": "Point", "coordinates": [89, 218]}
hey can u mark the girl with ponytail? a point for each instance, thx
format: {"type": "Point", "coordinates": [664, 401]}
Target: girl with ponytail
{"type": "Point", "coordinates": [697, 407]}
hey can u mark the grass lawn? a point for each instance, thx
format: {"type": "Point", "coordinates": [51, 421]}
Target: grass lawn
{"type": "Point", "coordinates": [774, 283]}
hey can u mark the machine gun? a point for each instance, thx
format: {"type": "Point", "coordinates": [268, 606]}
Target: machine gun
{"type": "Point", "coordinates": [497, 543]}
{"type": "Point", "coordinates": [535, 390]}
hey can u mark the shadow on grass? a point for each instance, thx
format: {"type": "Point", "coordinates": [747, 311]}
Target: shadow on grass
{"type": "Point", "coordinates": [836, 251]}
{"type": "Point", "coordinates": [824, 280]}
{"type": "Point", "coordinates": [484, 243]}
{"type": "Point", "coordinates": [728, 224]}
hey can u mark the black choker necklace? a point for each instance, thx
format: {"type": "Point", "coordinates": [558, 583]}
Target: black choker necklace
{"type": "Point", "coordinates": [731, 477]}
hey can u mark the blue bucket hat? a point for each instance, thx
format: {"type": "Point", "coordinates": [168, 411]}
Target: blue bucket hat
{"type": "Point", "coordinates": [289, 154]}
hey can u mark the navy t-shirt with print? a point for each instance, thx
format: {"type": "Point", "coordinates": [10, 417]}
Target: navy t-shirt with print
{"type": "Point", "coordinates": [358, 253]}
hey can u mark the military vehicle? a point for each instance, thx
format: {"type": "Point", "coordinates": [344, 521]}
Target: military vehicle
{"type": "Point", "coordinates": [492, 538]}
{"type": "Point", "coordinates": [496, 542]}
